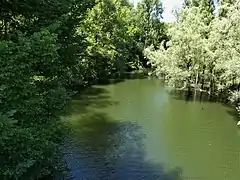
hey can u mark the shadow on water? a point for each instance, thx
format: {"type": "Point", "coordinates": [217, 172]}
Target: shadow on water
{"type": "Point", "coordinates": [92, 97]}
{"type": "Point", "coordinates": [103, 148]}
{"type": "Point", "coordinates": [111, 81]}
{"type": "Point", "coordinates": [231, 110]}
{"type": "Point", "coordinates": [109, 150]}
{"type": "Point", "coordinates": [123, 77]}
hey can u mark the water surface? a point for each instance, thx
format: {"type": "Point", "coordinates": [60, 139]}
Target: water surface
{"type": "Point", "coordinates": [135, 129]}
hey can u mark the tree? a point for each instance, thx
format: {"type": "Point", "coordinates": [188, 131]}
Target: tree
{"type": "Point", "coordinates": [111, 37]}
{"type": "Point", "coordinates": [226, 50]}
{"type": "Point", "coordinates": [224, 6]}
{"type": "Point", "coordinates": [202, 52]}
{"type": "Point", "coordinates": [149, 13]}
{"type": "Point", "coordinates": [151, 29]}
{"type": "Point", "coordinates": [206, 6]}
{"type": "Point", "coordinates": [46, 49]}
{"type": "Point", "coordinates": [185, 58]}
{"type": "Point", "coordinates": [33, 37]}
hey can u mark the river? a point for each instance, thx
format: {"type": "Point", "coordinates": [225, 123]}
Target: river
{"type": "Point", "coordinates": [134, 129]}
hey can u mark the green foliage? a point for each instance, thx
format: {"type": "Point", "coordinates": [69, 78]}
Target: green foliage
{"type": "Point", "coordinates": [27, 152]}
{"type": "Point", "coordinates": [29, 146]}
{"type": "Point", "coordinates": [150, 28]}
{"type": "Point", "coordinates": [111, 35]}
{"type": "Point", "coordinates": [224, 5]}
{"type": "Point", "coordinates": [185, 56]}
{"type": "Point", "coordinates": [206, 7]}
{"type": "Point", "coordinates": [203, 52]}
{"type": "Point", "coordinates": [31, 56]}
{"type": "Point", "coordinates": [47, 49]}
{"type": "Point", "coordinates": [149, 16]}
{"type": "Point", "coordinates": [225, 37]}
{"type": "Point", "coordinates": [32, 95]}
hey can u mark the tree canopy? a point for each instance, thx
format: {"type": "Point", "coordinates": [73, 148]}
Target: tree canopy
{"type": "Point", "coordinates": [202, 52]}
{"type": "Point", "coordinates": [49, 50]}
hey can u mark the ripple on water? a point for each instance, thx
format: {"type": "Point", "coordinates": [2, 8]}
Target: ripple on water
{"type": "Point", "coordinates": [123, 159]}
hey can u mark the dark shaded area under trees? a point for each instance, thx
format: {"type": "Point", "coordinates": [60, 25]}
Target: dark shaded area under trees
{"type": "Point", "coordinates": [47, 49]}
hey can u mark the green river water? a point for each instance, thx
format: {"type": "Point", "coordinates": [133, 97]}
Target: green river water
{"type": "Point", "coordinates": [135, 129]}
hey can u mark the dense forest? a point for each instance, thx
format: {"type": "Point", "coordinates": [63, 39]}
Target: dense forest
{"type": "Point", "coordinates": [203, 51]}
{"type": "Point", "coordinates": [49, 49]}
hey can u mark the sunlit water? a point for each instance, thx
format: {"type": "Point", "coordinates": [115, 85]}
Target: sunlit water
{"type": "Point", "coordinates": [134, 129]}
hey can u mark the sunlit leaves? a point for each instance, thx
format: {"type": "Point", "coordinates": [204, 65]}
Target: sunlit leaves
{"type": "Point", "coordinates": [203, 51]}
{"type": "Point", "coordinates": [186, 52]}
{"type": "Point", "coordinates": [225, 38]}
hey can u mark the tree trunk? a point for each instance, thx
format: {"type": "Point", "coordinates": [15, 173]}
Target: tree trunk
{"type": "Point", "coordinates": [196, 80]}
{"type": "Point", "coordinates": [196, 84]}
{"type": "Point", "coordinates": [211, 88]}
{"type": "Point", "coordinates": [189, 85]}
{"type": "Point", "coordinates": [5, 29]}
{"type": "Point", "coordinates": [203, 73]}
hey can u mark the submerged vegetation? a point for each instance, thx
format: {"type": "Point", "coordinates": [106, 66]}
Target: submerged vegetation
{"type": "Point", "coordinates": [49, 49]}
{"type": "Point", "coordinates": [203, 51]}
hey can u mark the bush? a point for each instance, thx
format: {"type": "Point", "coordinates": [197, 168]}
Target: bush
{"type": "Point", "coordinates": [31, 100]}
{"type": "Point", "coordinates": [27, 153]}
